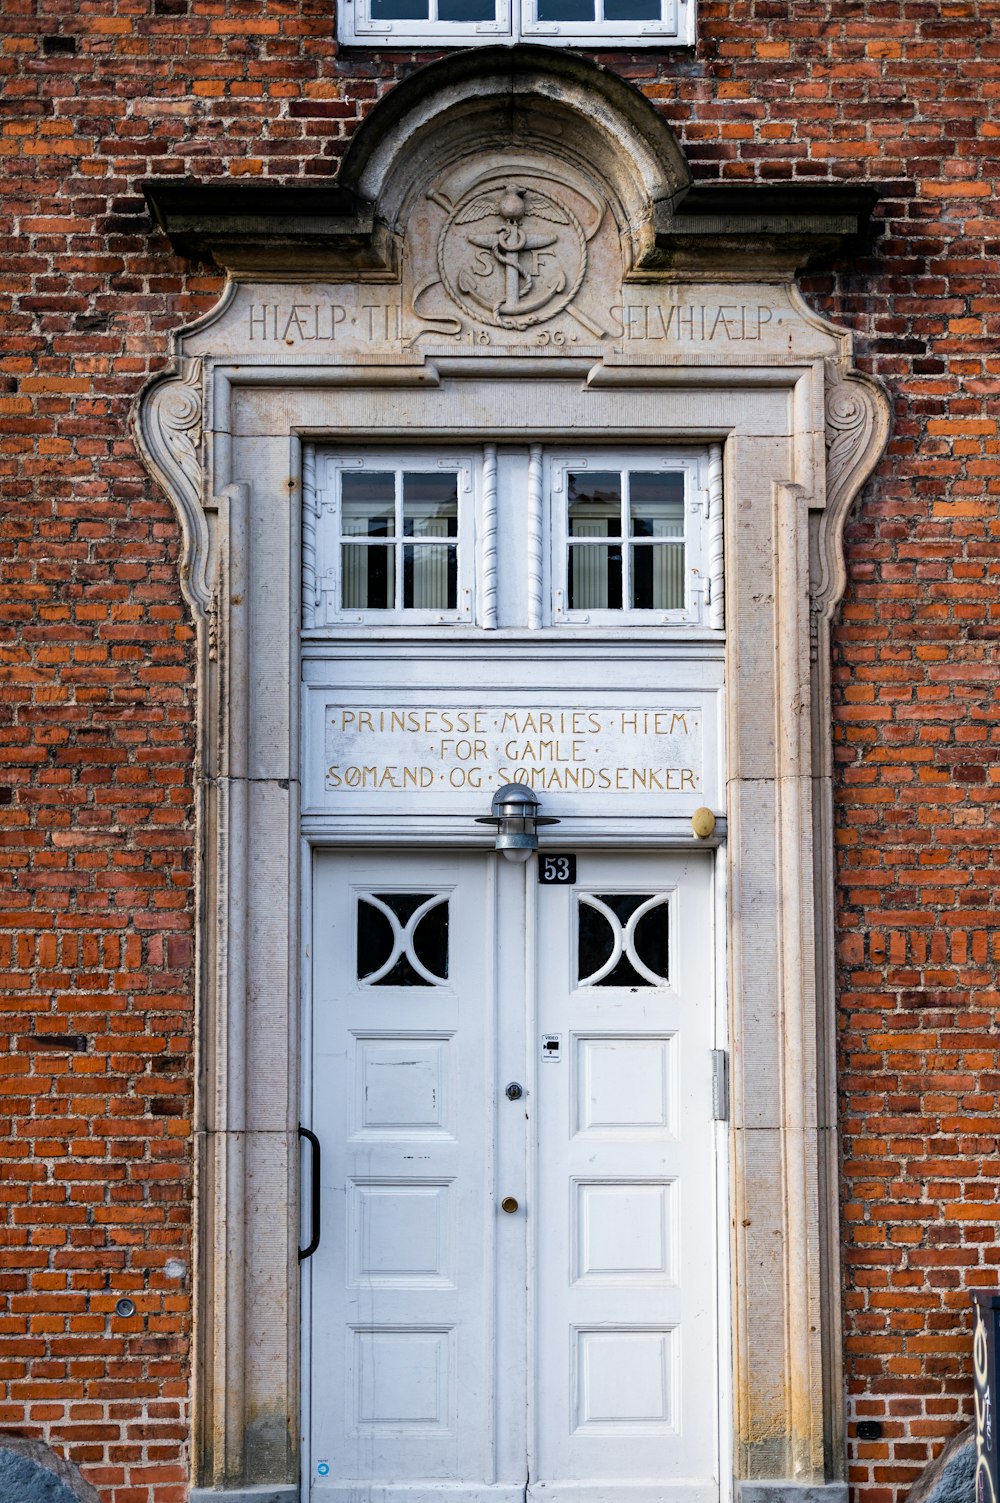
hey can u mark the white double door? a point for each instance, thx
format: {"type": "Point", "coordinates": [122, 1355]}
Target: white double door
{"type": "Point", "coordinates": [481, 1040]}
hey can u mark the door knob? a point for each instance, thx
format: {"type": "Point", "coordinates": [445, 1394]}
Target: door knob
{"type": "Point", "coordinates": [508, 1204]}
{"type": "Point", "coordinates": [514, 1091]}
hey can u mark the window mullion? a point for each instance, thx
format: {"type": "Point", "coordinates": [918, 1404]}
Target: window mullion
{"type": "Point", "coordinates": [398, 554]}
{"type": "Point", "coordinates": [626, 543]}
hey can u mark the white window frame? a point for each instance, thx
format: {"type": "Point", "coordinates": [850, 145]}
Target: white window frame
{"type": "Point", "coordinates": [693, 465]}
{"type": "Point", "coordinates": [329, 609]}
{"type": "Point", "coordinates": [517, 21]}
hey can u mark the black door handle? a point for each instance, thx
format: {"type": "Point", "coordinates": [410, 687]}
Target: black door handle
{"type": "Point", "coordinates": [314, 1193]}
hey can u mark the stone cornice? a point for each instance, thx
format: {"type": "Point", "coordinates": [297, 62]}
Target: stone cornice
{"type": "Point", "coordinates": [712, 231]}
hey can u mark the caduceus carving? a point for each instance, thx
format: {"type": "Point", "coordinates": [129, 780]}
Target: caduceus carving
{"type": "Point", "coordinates": [511, 247]}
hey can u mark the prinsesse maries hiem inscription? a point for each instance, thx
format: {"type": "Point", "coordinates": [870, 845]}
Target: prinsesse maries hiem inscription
{"type": "Point", "coordinates": [386, 750]}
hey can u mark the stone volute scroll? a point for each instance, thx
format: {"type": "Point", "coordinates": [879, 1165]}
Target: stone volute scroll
{"type": "Point", "coordinates": [857, 430]}
{"type": "Point", "coordinates": [514, 250]}
{"type": "Point", "coordinates": [168, 430]}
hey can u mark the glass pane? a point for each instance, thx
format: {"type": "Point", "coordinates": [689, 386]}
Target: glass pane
{"type": "Point", "coordinates": [375, 937]}
{"type": "Point", "coordinates": [399, 10]}
{"type": "Point", "coordinates": [565, 10]}
{"type": "Point", "coordinates": [466, 10]}
{"type": "Point", "coordinates": [430, 577]}
{"type": "Point", "coordinates": [595, 504]}
{"type": "Point", "coordinates": [368, 505]}
{"type": "Point", "coordinates": [632, 10]}
{"type": "Point", "coordinates": [430, 505]}
{"type": "Point", "coordinates": [369, 577]}
{"type": "Point", "coordinates": [397, 944]}
{"type": "Point", "coordinates": [656, 505]}
{"type": "Point", "coordinates": [430, 940]}
{"type": "Point", "coordinates": [603, 929]}
{"type": "Point", "coordinates": [658, 577]}
{"type": "Point", "coordinates": [595, 577]}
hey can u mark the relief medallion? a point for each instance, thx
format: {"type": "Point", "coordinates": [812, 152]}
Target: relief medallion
{"type": "Point", "coordinates": [517, 254]}
{"type": "Point", "coordinates": [512, 256]}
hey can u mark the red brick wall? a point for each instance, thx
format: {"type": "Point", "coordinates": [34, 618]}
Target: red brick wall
{"type": "Point", "coordinates": [97, 669]}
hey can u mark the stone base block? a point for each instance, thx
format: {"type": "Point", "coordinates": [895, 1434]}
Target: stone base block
{"type": "Point", "coordinates": [282, 1492]}
{"type": "Point", "coordinates": [779, 1490]}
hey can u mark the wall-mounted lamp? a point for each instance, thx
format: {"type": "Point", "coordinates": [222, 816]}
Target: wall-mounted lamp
{"type": "Point", "coordinates": [514, 813]}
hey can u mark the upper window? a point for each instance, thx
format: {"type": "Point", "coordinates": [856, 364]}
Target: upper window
{"type": "Point", "coordinates": [627, 537]}
{"type": "Point", "coordinates": [395, 539]}
{"type": "Point", "coordinates": [416, 23]}
{"type": "Point", "coordinates": [513, 536]}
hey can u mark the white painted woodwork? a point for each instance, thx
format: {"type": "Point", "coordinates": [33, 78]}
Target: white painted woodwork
{"type": "Point", "coordinates": [625, 1281]}
{"type": "Point", "coordinates": [516, 21]}
{"type": "Point", "coordinates": [460, 1351]}
{"type": "Point", "coordinates": [407, 1284]}
{"type": "Point", "coordinates": [512, 536]}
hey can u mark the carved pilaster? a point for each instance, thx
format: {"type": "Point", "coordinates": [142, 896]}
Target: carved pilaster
{"type": "Point", "coordinates": [310, 519]}
{"type": "Point", "coordinates": [716, 545]}
{"type": "Point", "coordinates": [488, 614]}
{"type": "Point", "coordinates": [535, 537]}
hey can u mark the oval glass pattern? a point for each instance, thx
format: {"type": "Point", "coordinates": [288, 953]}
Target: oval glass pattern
{"type": "Point", "coordinates": [402, 939]}
{"type": "Point", "coordinates": [623, 939]}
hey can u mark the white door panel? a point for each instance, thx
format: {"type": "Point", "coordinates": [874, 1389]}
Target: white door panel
{"type": "Point", "coordinates": [569, 1347]}
{"type": "Point", "coordinates": [405, 1289]}
{"type": "Point", "coordinates": [627, 1349]}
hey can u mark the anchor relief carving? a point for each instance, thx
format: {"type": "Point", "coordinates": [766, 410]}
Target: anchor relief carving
{"type": "Point", "coordinates": [512, 249]}
{"type": "Point", "coordinates": [524, 265]}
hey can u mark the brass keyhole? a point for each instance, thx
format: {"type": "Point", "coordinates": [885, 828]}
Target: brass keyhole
{"type": "Point", "coordinates": [508, 1204]}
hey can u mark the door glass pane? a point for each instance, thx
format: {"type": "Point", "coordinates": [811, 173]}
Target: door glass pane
{"type": "Point", "coordinates": [565, 10]}
{"type": "Point", "coordinates": [623, 939]}
{"type": "Point", "coordinates": [632, 10]}
{"type": "Point", "coordinates": [402, 939]}
{"type": "Point", "coordinates": [399, 10]}
{"type": "Point", "coordinates": [466, 10]}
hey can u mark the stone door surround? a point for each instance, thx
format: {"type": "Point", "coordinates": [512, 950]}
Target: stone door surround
{"type": "Point", "coordinates": [514, 240]}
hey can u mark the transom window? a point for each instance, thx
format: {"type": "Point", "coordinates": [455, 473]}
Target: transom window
{"type": "Point", "coordinates": [626, 540]}
{"type": "Point", "coordinates": [513, 536]}
{"type": "Point", "coordinates": [627, 537]}
{"type": "Point", "coordinates": [394, 538]}
{"type": "Point", "coordinates": [418, 23]}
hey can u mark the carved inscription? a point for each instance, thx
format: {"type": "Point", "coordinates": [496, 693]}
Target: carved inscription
{"type": "Point", "coordinates": [509, 287]}
{"type": "Point", "coordinates": [389, 750]}
{"type": "Point", "coordinates": [690, 323]}
{"type": "Point", "coordinates": [353, 317]}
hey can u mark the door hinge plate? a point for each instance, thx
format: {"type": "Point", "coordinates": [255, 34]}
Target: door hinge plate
{"type": "Point", "coordinates": [720, 1085]}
